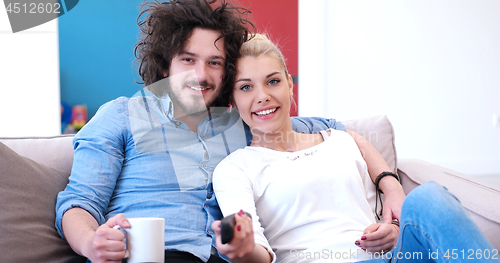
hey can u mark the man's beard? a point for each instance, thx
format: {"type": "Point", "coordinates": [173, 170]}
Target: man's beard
{"type": "Point", "coordinates": [192, 104]}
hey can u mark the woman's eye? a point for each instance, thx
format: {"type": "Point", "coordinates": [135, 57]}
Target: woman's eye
{"type": "Point", "coordinates": [187, 59]}
{"type": "Point", "coordinates": [215, 63]}
{"type": "Point", "coordinates": [274, 81]}
{"type": "Point", "coordinates": [245, 87]}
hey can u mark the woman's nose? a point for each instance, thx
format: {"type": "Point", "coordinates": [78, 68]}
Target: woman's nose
{"type": "Point", "coordinates": [263, 95]}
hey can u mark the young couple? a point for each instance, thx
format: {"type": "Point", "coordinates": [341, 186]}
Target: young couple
{"type": "Point", "coordinates": [310, 195]}
{"type": "Point", "coordinates": [153, 155]}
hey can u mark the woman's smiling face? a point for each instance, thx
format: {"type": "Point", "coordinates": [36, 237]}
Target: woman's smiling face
{"type": "Point", "coordinates": [262, 93]}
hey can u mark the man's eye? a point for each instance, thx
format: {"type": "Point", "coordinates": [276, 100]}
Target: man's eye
{"type": "Point", "coordinates": [245, 87]}
{"type": "Point", "coordinates": [188, 59]}
{"type": "Point", "coordinates": [215, 63]}
{"type": "Point", "coordinates": [274, 81]}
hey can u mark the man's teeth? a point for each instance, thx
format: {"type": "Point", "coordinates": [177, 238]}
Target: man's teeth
{"type": "Point", "coordinates": [266, 112]}
{"type": "Point", "coordinates": [197, 88]}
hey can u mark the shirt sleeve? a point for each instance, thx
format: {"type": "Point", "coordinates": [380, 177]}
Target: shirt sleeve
{"type": "Point", "coordinates": [315, 124]}
{"type": "Point", "coordinates": [97, 163]}
{"type": "Point", "coordinates": [234, 192]}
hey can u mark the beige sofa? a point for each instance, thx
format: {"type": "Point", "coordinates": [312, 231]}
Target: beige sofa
{"type": "Point", "coordinates": [30, 181]}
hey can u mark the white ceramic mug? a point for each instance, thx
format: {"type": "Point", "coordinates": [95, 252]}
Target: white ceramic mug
{"type": "Point", "coordinates": [146, 240]}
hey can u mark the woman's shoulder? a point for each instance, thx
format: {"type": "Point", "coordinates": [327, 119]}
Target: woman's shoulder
{"type": "Point", "coordinates": [236, 165]}
{"type": "Point", "coordinates": [240, 157]}
{"type": "Point", "coordinates": [335, 135]}
{"type": "Point", "coordinates": [244, 160]}
{"type": "Point", "coordinates": [337, 140]}
{"type": "Point", "coordinates": [336, 132]}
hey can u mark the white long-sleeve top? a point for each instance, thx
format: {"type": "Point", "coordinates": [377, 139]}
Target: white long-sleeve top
{"type": "Point", "coordinates": [307, 206]}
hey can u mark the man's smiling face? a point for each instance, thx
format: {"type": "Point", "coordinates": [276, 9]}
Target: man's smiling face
{"type": "Point", "coordinates": [195, 73]}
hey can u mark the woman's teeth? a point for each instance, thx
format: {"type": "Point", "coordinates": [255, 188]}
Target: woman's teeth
{"type": "Point", "coordinates": [266, 112]}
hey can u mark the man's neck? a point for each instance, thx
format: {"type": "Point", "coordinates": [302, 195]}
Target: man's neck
{"type": "Point", "coordinates": [192, 121]}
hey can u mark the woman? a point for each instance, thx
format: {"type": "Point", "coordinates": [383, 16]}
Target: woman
{"type": "Point", "coordinates": [300, 214]}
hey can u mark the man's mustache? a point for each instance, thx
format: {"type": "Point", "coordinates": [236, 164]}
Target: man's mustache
{"type": "Point", "coordinates": [194, 83]}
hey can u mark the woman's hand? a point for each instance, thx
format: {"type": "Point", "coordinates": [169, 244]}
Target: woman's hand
{"type": "Point", "coordinates": [393, 199]}
{"type": "Point", "coordinates": [242, 243]}
{"type": "Point", "coordinates": [379, 237]}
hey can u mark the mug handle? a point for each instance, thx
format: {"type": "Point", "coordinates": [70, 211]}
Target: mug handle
{"type": "Point", "coordinates": [125, 240]}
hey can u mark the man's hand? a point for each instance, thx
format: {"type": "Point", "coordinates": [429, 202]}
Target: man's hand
{"type": "Point", "coordinates": [242, 242]}
{"type": "Point", "coordinates": [379, 237]}
{"type": "Point", "coordinates": [98, 243]}
{"type": "Point", "coordinates": [107, 243]}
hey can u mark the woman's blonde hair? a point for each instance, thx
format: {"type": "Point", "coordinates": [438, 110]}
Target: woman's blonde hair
{"type": "Point", "coordinates": [259, 44]}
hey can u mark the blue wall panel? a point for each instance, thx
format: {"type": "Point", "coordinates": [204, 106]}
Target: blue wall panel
{"type": "Point", "coordinates": [96, 49]}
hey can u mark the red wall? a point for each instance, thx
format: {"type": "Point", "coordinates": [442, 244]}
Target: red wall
{"type": "Point", "coordinates": [279, 19]}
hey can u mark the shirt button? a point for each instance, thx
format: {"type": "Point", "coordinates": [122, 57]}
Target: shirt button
{"type": "Point", "coordinates": [201, 165]}
{"type": "Point", "coordinates": [177, 123]}
{"type": "Point", "coordinates": [209, 232]}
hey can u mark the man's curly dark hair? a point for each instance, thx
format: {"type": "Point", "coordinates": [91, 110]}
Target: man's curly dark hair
{"type": "Point", "coordinates": [167, 26]}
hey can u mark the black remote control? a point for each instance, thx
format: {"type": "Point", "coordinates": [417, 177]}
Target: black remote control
{"type": "Point", "coordinates": [227, 228]}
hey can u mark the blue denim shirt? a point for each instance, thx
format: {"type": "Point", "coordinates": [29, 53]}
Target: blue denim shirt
{"type": "Point", "coordinates": [134, 158]}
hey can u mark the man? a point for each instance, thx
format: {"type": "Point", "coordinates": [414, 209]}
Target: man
{"type": "Point", "coordinates": [153, 155]}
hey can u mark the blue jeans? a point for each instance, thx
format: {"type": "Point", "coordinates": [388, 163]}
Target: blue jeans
{"type": "Point", "coordinates": [434, 227]}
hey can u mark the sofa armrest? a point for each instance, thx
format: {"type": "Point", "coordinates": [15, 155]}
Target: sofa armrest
{"type": "Point", "coordinates": [478, 197]}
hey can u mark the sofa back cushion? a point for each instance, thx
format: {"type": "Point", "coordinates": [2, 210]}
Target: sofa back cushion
{"type": "Point", "coordinates": [55, 151]}
{"type": "Point", "coordinates": [379, 132]}
{"type": "Point", "coordinates": [28, 193]}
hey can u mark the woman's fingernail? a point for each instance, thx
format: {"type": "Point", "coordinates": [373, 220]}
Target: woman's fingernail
{"type": "Point", "coordinates": [238, 227]}
{"type": "Point", "coordinates": [357, 243]}
{"type": "Point", "coordinates": [240, 213]}
{"type": "Point", "coordinates": [363, 238]}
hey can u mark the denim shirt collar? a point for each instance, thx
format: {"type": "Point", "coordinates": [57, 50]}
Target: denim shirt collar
{"type": "Point", "coordinates": [167, 106]}
{"type": "Point", "coordinates": [212, 124]}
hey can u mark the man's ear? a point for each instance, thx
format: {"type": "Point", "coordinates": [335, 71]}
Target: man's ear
{"type": "Point", "coordinates": [165, 73]}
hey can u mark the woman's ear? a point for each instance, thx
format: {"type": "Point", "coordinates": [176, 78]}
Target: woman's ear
{"type": "Point", "coordinates": [290, 85]}
{"type": "Point", "coordinates": [232, 103]}
{"type": "Point", "coordinates": [165, 73]}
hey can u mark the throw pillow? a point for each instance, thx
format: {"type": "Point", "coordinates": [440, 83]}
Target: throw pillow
{"type": "Point", "coordinates": [28, 192]}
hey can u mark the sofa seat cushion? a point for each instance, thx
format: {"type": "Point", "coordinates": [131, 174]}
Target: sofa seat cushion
{"type": "Point", "coordinates": [28, 193]}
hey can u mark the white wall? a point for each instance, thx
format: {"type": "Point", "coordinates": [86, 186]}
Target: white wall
{"type": "Point", "coordinates": [29, 88]}
{"type": "Point", "coordinates": [433, 67]}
